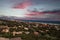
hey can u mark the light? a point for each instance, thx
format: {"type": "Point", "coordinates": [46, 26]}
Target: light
{"type": "Point", "coordinates": [16, 12]}
{"type": "Point", "coordinates": [19, 12]}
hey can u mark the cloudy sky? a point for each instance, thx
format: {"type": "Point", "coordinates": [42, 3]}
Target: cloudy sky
{"type": "Point", "coordinates": [31, 9]}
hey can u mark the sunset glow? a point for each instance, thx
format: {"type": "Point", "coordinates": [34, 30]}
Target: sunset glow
{"type": "Point", "coordinates": [31, 9]}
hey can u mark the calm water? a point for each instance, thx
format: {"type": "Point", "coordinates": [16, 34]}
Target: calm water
{"type": "Point", "coordinates": [53, 22]}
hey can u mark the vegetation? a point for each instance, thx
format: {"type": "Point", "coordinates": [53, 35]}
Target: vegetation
{"type": "Point", "coordinates": [29, 31]}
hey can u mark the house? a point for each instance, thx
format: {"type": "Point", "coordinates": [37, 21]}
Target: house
{"type": "Point", "coordinates": [5, 30]}
{"type": "Point", "coordinates": [26, 32]}
{"type": "Point", "coordinates": [26, 28]}
{"type": "Point", "coordinates": [36, 33]}
{"type": "Point", "coordinates": [14, 32]}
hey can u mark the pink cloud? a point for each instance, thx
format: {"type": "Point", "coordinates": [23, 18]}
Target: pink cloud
{"type": "Point", "coordinates": [23, 5]}
{"type": "Point", "coordinates": [36, 15]}
{"type": "Point", "coordinates": [33, 13]}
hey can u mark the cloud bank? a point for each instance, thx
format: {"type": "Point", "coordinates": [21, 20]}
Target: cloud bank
{"type": "Point", "coordinates": [45, 15]}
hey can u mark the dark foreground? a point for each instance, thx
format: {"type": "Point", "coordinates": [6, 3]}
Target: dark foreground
{"type": "Point", "coordinates": [18, 38]}
{"type": "Point", "coordinates": [14, 30]}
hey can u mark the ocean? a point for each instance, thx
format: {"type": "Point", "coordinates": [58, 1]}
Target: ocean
{"type": "Point", "coordinates": [53, 22]}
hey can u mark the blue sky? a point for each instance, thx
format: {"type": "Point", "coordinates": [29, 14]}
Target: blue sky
{"type": "Point", "coordinates": [20, 8]}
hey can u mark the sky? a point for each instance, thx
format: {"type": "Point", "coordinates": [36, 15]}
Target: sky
{"type": "Point", "coordinates": [48, 10]}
